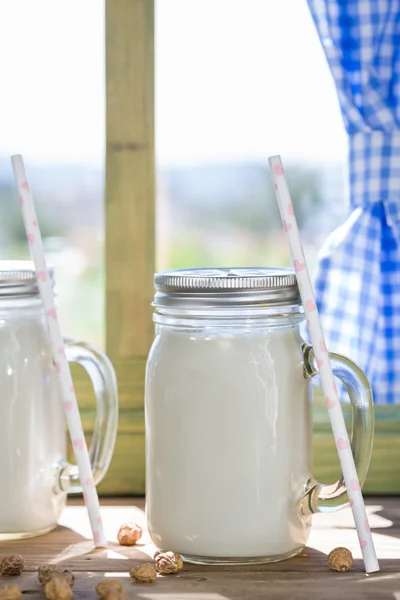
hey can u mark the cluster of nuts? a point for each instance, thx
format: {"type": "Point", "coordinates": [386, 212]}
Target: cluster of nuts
{"type": "Point", "coordinates": [50, 571]}
{"type": "Point", "coordinates": [57, 583]}
{"type": "Point", "coordinates": [340, 559]}
{"type": "Point", "coordinates": [167, 563]}
{"type": "Point", "coordinates": [11, 566]}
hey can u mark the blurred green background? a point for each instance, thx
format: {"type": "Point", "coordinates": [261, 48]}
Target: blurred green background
{"type": "Point", "coordinates": [207, 215]}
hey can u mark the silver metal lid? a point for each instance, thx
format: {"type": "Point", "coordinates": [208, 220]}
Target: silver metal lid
{"type": "Point", "coordinates": [18, 278]}
{"type": "Point", "coordinates": [226, 287]}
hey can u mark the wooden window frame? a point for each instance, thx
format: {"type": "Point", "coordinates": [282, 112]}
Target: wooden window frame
{"type": "Point", "coordinates": [130, 264]}
{"type": "Point", "coordinates": [129, 235]}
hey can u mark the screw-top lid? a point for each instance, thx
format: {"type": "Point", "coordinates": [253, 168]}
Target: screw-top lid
{"type": "Point", "coordinates": [18, 278]}
{"type": "Point", "coordinates": [226, 287]}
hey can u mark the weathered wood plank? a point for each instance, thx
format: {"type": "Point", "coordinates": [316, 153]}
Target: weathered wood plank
{"type": "Point", "coordinates": [231, 586]}
{"type": "Point", "coordinates": [71, 541]}
{"type": "Point", "coordinates": [130, 236]}
{"type": "Point", "coordinates": [239, 586]}
{"type": "Point", "coordinates": [306, 576]}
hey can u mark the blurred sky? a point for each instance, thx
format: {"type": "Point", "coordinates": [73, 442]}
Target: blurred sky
{"type": "Point", "coordinates": [235, 79]}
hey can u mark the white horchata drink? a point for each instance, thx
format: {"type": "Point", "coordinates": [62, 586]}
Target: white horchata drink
{"type": "Point", "coordinates": [228, 430]}
{"type": "Point", "coordinates": [32, 424]}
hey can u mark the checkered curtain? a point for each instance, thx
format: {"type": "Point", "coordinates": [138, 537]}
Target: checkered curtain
{"type": "Point", "coordinates": [358, 277]}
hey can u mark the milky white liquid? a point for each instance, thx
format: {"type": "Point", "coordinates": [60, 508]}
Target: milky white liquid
{"type": "Point", "coordinates": [32, 427]}
{"type": "Point", "coordinates": [228, 442]}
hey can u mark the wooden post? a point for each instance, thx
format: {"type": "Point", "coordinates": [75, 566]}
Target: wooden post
{"type": "Point", "coordinates": [130, 202]}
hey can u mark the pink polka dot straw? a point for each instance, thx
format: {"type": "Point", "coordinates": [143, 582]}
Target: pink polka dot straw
{"type": "Point", "coordinates": [57, 345]}
{"type": "Point", "coordinates": [324, 366]}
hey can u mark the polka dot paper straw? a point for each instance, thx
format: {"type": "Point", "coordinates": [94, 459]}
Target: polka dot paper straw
{"type": "Point", "coordinates": [57, 345]}
{"type": "Point", "coordinates": [324, 366]}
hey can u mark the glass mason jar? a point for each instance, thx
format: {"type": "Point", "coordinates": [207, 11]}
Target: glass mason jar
{"type": "Point", "coordinates": [34, 474]}
{"type": "Point", "coordinates": [229, 465]}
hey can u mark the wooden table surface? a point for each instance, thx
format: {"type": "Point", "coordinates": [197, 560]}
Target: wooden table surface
{"type": "Point", "coordinates": [306, 576]}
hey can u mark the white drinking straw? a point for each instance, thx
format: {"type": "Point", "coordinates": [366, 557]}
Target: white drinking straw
{"type": "Point", "coordinates": [57, 346]}
{"type": "Point", "coordinates": [324, 365]}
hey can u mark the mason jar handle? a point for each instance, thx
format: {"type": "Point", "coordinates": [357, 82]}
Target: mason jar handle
{"type": "Point", "coordinates": [329, 498]}
{"type": "Point", "coordinates": [101, 372]}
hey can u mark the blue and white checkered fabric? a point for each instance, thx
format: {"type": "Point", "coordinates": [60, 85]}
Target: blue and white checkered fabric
{"type": "Point", "coordinates": [358, 277]}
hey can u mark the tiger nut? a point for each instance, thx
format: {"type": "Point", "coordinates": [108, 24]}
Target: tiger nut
{"type": "Point", "coordinates": [145, 573]}
{"type": "Point", "coordinates": [12, 565]}
{"type": "Point", "coordinates": [340, 559]}
{"type": "Point", "coordinates": [129, 534]}
{"type": "Point", "coordinates": [169, 562]}
{"type": "Point", "coordinates": [10, 592]}
{"type": "Point", "coordinates": [110, 589]}
{"type": "Point", "coordinates": [47, 571]}
{"type": "Point", "coordinates": [58, 589]}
